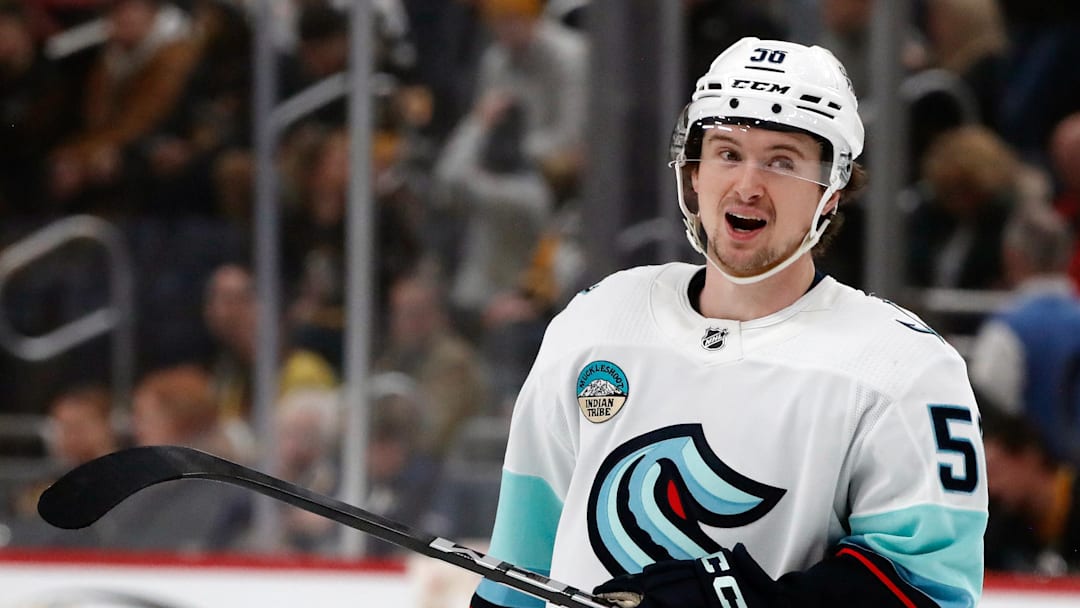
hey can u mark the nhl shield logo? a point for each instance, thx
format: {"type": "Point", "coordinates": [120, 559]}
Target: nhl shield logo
{"type": "Point", "coordinates": [714, 338]}
{"type": "Point", "coordinates": [602, 390]}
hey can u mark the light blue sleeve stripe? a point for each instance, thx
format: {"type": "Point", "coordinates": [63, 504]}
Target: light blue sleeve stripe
{"type": "Point", "coordinates": [524, 534]}
{"type": "Point", "coordinates": [934, 548]}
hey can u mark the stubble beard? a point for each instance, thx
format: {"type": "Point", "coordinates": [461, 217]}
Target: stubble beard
{"type": "Point", "coordinates": [759, 262]}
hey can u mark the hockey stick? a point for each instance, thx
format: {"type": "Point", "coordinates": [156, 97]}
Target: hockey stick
{"type": "Point", "coordinates": [89, 491]}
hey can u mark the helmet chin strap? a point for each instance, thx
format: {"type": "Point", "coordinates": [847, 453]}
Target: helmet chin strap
{"type": "Point", "coordinates": [813, 235]}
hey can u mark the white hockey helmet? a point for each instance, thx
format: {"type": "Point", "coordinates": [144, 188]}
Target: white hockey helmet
{"type": "Point", "coordinates": [771, 84]}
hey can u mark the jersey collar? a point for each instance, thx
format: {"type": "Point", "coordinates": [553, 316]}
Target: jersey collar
{"type": "Point", "coordinates": [714, 341]}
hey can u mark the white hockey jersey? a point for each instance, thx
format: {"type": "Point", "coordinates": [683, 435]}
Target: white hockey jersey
{"type": "Point", "coordinates": [646, 431]}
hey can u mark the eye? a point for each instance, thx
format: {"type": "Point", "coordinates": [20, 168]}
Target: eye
{"type": "Point", "coordinates": [729, 155]}
{"type": "Point", "coordinates": [782, 163]}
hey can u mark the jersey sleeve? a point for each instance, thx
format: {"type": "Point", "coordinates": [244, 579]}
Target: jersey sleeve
{"type": "Point", "coordinates": [918, 495]}
{"type": "Point", "coordinates": [536, 473]}
{"type": "Point", "coordinates": [917, 498]}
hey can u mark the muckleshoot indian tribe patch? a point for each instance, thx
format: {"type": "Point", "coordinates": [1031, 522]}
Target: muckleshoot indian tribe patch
{"type": "Point", "coordinates": [602, 389]}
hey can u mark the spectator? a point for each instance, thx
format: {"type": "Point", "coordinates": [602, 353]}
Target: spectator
{"type": "Point", "coordinates": [1027, 356]}
{"type": "Point", "coordinates": [51, 17]}
{"type": "Point", "coordinates": [134, 85]}
{"type": "Point", "coordinates": [445, 367]}
{"type": "Point", "coordinates": [954, 233]}
{"type": "Point", "coordinates": [33, 94]}
{"type": "Point", "coordinates": [315, 241]}
{"type": "Point", "coordinates": [80, 426]}
{"type": "Point", "coordinates": [968, 39]}
{"type": "Point", "coordinates": [1065, 162]}
{"type": "Point", "coordinates": [449, 39]}
{"type": "Point", "coordinates": [229, 310]}
{"type": "Point", "coordinates": [515, 319]}
{"type": "Point", "coordinates": [963, 76]}
{"type": "Point", "coordinates": [846, 33]}
{"type": "Point", "coordinates": [211, 123]}
{"type": "Point", "coordinates": [402, 478]}
{"type": "Point", "coordinates": [485, 175]}
{"type": "Point", "coordinates": [1034, 521]}
{"type": "Point", "coordinates": [322, 51]}
{"type": "Point", "coordinates": [308, 431]}
{"type": "Point", "coordinates": [556, 271]}
{"type": "Point", "coordinates": [175, 406]}
{"type": "Point", "coordinates": [1043, 83]}
{"type": "Point", "coordinates": [542, 65]}
{"type": "Point", "coordinates": [291, 20]}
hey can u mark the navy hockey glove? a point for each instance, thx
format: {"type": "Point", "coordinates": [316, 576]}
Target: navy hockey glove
{"type": "Point", "coordinates": [728, 579]}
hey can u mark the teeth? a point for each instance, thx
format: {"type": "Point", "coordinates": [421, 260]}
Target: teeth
{"type": "Point", "coordinates": [746, 217]}
{"type": "Point", "coordinates": [744, 223]}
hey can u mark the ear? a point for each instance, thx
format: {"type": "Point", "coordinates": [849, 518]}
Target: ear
{"type": "Point", "coordinates": [832, 203]}
{"type": "Point", "coordinates": [694, 177]}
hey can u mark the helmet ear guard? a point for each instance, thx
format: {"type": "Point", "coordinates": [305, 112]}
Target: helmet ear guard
{"type": "Point", "coordinates": [688, 201]}
{"type": "Point", "coordinates": [677, 159]}
{"type": "Point", "coordinates": [774, 85]}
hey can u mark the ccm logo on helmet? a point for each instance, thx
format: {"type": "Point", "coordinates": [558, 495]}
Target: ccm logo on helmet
{"type": "Point", "coordinates": [758, 85]}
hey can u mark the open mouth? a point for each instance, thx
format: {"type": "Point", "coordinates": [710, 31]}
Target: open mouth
{"type": "Point", "coordinates": [744, 224]}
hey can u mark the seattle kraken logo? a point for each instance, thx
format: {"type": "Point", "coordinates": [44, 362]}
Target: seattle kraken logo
{"type": "Point", "coordinates": [653, 494]}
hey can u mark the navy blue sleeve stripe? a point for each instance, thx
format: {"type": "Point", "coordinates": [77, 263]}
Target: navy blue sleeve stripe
{"type": "Point", "coordinates": [885, 574]}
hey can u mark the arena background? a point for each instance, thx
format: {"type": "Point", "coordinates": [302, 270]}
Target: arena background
{"type": "Point", "coordinates": [104, 283]}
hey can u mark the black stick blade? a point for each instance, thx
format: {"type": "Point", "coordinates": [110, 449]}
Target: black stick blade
{"type": "Point", "coordinates": [89, 491]}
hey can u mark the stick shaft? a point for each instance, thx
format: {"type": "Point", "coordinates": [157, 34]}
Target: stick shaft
{"type": "Point", "coordinates": [89, 491]}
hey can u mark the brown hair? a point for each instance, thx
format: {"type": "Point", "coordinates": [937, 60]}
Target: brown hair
{"type": "Point", "coordinates": [856, 183]}
{"type": "Point", "coordinates": [501, 8]}
{"type": "Point", "coordinates": [186, 396]}
{"type": "Point", "coordinates": [970, 159]}
{"type": "Point", "coordinates": [94, 396]}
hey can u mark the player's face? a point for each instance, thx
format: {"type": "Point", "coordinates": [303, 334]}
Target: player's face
{"type": "Point", "coordinates": [757, 191]}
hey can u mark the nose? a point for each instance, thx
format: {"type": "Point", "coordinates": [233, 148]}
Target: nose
{"type": "Point", "coordinates": [749, 182]}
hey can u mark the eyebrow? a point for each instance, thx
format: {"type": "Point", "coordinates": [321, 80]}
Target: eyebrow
{"type": "Point", "coordinates": [713, 136]}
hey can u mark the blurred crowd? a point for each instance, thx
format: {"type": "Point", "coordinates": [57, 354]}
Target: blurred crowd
{"type": "Point", "coordinates": [139, 112]}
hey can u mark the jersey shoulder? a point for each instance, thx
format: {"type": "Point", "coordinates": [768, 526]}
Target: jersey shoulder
{"type": "Point", "coordinates": [626, 289]}
{"type": "Point", "coordinates": [879, 340]}
{"type": "Point", "coordinates": [615, 308]}
{"type": "Point", "coordinates": [873, 318]}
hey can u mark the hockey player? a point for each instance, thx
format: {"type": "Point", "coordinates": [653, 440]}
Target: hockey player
{"type": "Point", "coordinates": [748, 432]}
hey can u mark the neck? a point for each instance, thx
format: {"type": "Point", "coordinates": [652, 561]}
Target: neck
{"type": "Point", "coordinates": [722, 299]}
